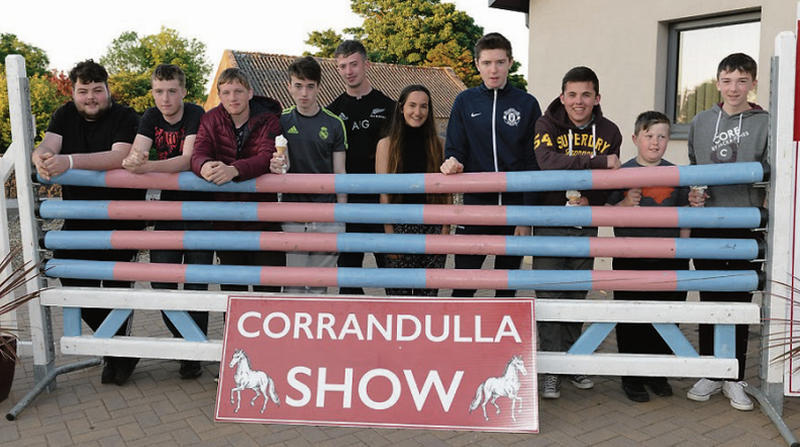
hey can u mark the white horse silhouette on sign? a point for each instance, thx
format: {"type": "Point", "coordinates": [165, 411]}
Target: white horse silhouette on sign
{"type": "Point", "coordinates": [506, 385]}
{"type": "Point", "coordinates": [257, 381]}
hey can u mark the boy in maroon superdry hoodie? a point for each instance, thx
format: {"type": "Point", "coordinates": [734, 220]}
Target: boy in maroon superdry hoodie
{"type": "Point", "coordinates": [572, 134]}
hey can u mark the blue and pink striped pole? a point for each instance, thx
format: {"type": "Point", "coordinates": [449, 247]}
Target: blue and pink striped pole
{"type": "Point", "coordinates": [630, 247]}
{"type": "Point", "coordinates": [651, 217]}
{"type": "Point", "coordinates": [731, 173]}
{"type": "Point", "coordinates": [651, 280]}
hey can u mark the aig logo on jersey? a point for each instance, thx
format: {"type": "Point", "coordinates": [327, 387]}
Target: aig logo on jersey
{"type": "Point", "coordinates": [512, 117]}
{"type": "Point", "coordinates": [323, 132]}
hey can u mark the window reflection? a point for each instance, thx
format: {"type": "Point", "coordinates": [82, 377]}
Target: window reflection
{"type": "Point", "coordinates": [699, 53]}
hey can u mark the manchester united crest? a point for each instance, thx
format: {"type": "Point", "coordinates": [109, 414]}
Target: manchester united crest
{"type": "Point", "coordinates": [512, 116]}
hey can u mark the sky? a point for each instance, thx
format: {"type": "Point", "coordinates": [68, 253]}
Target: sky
{"type": "Point", "coordinates": [81, 31]}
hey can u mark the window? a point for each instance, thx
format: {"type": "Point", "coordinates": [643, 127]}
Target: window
{"type": "Point", "coordinates": [695, 49]}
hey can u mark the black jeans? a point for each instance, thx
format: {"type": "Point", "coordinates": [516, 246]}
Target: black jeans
{"type": "Point", "coordinates": [642, 338]}
{"type": "Point", "coordinates": [356, 259]}
{"type": "Point", "coordinates": [205, 257]}
{"type": "Point", "coordinates": [707, 330]}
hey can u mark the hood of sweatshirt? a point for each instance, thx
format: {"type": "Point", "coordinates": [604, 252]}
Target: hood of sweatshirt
{"type": "Point", "coordinates": [733, 123]}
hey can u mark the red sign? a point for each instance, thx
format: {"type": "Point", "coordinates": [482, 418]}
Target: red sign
{"type": "Point", "coordinates": [457, 364]}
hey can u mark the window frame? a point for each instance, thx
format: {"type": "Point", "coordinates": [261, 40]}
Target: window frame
{"type": "Point", "coordinates": [681, 131]}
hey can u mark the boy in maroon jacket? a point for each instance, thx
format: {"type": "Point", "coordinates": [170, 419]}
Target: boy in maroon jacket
{"type": "Point", "coordinates": [235, 142]}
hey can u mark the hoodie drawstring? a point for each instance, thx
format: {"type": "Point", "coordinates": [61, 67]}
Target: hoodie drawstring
{"type": "Point", "coordinates": [739, 134]}
{"type": "Point", "coordinates": [594, 141]}
{"type": "Point", "coordinates": [570, 142]}
{"type": "Point", "coordinates": [716, 128]}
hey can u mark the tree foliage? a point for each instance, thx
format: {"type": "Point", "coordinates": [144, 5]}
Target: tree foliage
{"type": "Point", "coordinates": [36, 60]}
{"type": "Point", "coordinates": [326, 40]}
{"type": "Point", "coordinates": [413, 32]}
{"type": "Point", "coordinates": [45, 87]}
{"type": "Point", "coordinates": [45, 99]}
{"type": "Point", "coordinates": [131, 59]}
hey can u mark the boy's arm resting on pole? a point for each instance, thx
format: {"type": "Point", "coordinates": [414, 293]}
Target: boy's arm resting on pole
{"type": "Point", "coordinates": [102, 161]}
{"type": "Point", "coordinates": [455, 146]}
{"type": "Point", "coordinates": [258, 164]}
{"type": "Point", "coordinates": [52, 164]}
{"type": "Point", "coordinates": [137, 156]}
{"type": "Point", "coordinates": [179, 163]}
{"type": "Point", "coordinates": [547, 156]}
{"type": "Point", "coordinates": [48, 148]}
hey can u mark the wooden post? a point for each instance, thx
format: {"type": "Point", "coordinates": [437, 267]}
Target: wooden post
{"type": "Point", "coordinates": [22, 134]}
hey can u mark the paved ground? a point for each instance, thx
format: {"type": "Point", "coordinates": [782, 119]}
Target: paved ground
{"type": "Point", "coordinates": [156, 407]}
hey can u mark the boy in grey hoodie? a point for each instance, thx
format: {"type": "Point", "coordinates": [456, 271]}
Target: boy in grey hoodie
{"type": "Point", "coordinates": [732, 131]}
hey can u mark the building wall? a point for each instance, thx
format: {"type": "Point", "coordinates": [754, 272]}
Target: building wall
{"type": "Point", "coordinates": [625, 42]}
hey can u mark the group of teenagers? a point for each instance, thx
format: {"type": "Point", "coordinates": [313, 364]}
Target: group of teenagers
{"type": "Point", "coordinates": [493, 127]}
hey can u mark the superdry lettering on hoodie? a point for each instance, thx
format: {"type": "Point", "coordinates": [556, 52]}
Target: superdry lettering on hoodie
{"type": "Point", "coordinates": [560, 144]}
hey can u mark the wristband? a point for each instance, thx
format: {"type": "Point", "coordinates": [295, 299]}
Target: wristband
{"type": "Point", "coordinates": [71, 162]}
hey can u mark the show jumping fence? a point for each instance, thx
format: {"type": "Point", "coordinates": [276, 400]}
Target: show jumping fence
{"type": "Point", "coordinates": [601, 315]}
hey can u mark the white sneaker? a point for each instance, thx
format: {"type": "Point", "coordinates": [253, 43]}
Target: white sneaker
{"type": "Point", "coordinates": [735, 392]}
{"type": "Point", "coordinates": [703, 389]}
{"type": "Point", "coordinates": [581, 382]}
{"type": "Point", "coordinates": [551, 389]}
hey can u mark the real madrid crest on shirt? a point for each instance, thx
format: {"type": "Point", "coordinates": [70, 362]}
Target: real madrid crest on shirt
{"type": "Point", "coordinates": [323, 132]}
{"type": "Point", "coordinates": [512, 116]}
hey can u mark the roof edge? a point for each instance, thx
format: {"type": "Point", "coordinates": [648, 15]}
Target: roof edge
{"type": "Point", "coordinates": [511, 5]}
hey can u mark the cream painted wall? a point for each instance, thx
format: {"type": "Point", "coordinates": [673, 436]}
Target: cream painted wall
{"type": "Point", "coordinates": [625, 42]}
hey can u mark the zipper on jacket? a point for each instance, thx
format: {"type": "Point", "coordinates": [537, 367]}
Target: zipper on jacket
{"type": "Point", "coordinates": [494, 142]}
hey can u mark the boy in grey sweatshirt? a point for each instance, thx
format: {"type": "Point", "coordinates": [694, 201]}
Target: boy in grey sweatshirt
{"type": "Point", "coordinates": [730, 132]}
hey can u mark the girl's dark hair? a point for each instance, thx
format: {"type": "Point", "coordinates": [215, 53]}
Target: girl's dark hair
{"type": "Point", "coordinates": [433, 145]}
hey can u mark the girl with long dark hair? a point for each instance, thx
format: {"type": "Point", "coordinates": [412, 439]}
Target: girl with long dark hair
{"type": "Point", "coordinates": [412, 146]}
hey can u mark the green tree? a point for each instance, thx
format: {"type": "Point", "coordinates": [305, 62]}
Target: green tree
{"type": "Point", "coordinates": [45, 99]}
{"type": "Point", "coordinates": [415, 32]}
{"type": "Point", "coordinates": [45, 91]}
{"type": "Point", "coordinates": [326, 41]}
{"type": "Point", "coordinates": [36, 60]}
{"type": "Point", "coordinates": [130, 60]}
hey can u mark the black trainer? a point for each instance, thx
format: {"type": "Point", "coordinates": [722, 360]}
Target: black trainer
{"type": "Point", "coordinates": [109, 371]}
{"type": "Point", "coordinates": [190, 369]}
{"type": "Point", "coordinates": [635, 391]}
{"type": "Point", "coordinates": [660, 387]}
{"type": "Point", "coordinates": [124, 367]}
